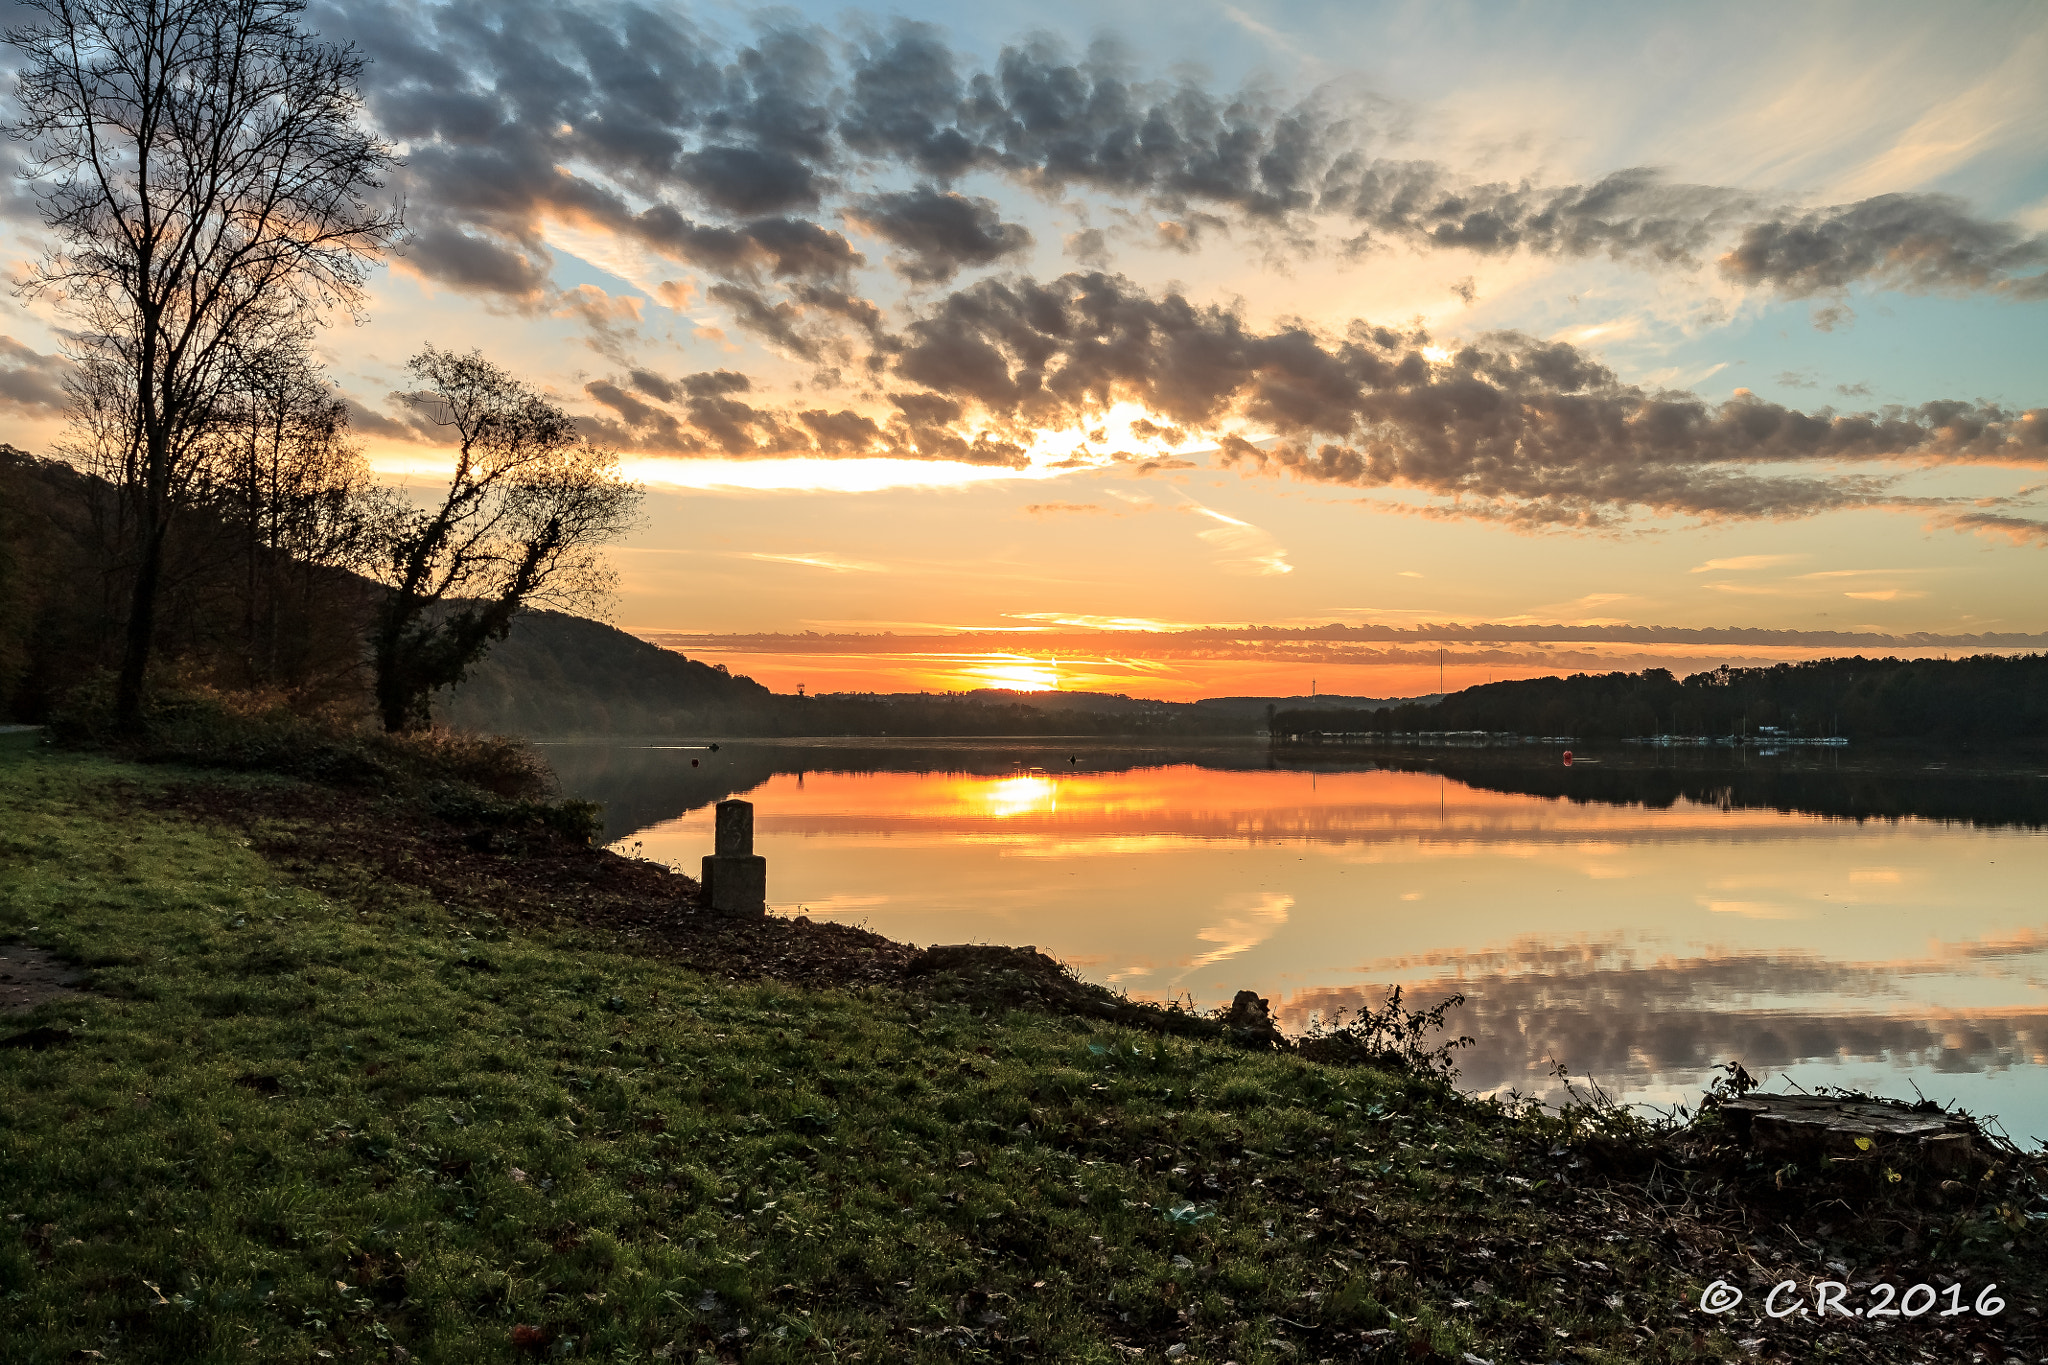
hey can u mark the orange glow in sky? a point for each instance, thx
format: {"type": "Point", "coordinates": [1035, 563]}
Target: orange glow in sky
{"type": "Point", "coordinates": [1016, 673]}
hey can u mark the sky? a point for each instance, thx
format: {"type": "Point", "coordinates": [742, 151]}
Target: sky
{"type": "Point", "coordinates": [1064, 346]}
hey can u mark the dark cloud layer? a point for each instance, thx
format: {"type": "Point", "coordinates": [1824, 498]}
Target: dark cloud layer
{"type": "Point", "coordinates": [627, 117]}
{"type": "Point", "coordinates": [1525, 430]}
{"type": "Point", "coordinates": [1509, 427]}
{"type": "Point", "coordinates": [32, 384]}
{"type": "Point", "coordinates": [1906, 241]}
{"type": "Point", "coordinates": [940, 234]}
{"type": "Point", "coordinates": [518, 113]}
{"type": "Point", "coordinates": [736, 159]}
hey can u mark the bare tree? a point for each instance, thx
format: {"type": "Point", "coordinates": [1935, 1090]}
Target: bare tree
{"type": "Point", "coordinates": [294, 491]}
{"type": "Point", "coordinates": [203, 171]}
{"type": "Point", "coordinates": [519, 524]}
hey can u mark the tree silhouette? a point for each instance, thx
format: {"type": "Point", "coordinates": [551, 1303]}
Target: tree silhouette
{"type": "Point", "coordinates": [202, 171]}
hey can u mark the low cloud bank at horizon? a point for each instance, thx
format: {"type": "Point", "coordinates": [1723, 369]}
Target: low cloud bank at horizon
{"type": "Point", "coordinates": [857, 201]}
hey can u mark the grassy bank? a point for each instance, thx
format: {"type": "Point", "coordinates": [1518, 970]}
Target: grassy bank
{"type": "Point", "coordinates": [320, 1107]}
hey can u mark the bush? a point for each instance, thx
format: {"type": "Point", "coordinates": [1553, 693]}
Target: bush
{"type": "Point", "coordinates": [504, 767]}
{"type": "Point", "coordinates": [1392, 1037]}
{"type": "Point", "coordinates": [483, 780]}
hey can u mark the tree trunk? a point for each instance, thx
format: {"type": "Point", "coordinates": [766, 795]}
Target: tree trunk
{"type": "Point", "coordinates": [394, 706]}
{"type": "Point", "coordinates": [141, 636]}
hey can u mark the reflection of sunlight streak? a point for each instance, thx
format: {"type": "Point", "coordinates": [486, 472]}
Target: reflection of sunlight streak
{"type": "Point", "coordinates": [1242, 932]}
{"type": "Point", "coordinates": [1022, 796]}
{"type": "Point", "coordinates": [1062, 845]}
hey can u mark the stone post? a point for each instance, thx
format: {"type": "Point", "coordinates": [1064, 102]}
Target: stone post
{"type": "Point", "coordinates": [735, 877]}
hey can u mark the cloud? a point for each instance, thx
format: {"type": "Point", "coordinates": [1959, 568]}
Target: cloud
{"type": "Point", "coordinates": [1056, 121]}
{"type": "Point", "coordinates": [731, 158]}
{"type": "Point", "coordinates": [1088, 246]}
{"type": "Point", "coordinates": [831, 563]}
{"type": "Point", "coordinates": [1505, 427]}
{"type": "Point", "coordinates": [613, 321]}
{"type": "Point", "coordinates": [32, 384]}
{"type": "Point", "coordinates": [842, 433]}
{"type": "Point", "coordinates": [440, 249]}
{"type": "Point", "coordinates": [939, 233]}
{"type": "Point", "coordinates": [2018, 530]}
{"type": "Point", "coordinates": [774, 323]}
{"type": "Point", "coordinates": [1745, 562]}
{"type": "Point", "coordinates": [1914, 242]}
{"type": "Point", "coordinates": [660, 425]}
{"type": "Point", "coordinates": [1245, 548]}
{"type": "Point", "coordinates": [1508, 427]}
{"type": "Point", "coordinates": [604, 118]}
{"type": "Point", "coordinates": [626, 119]}
{"type": "Point", "coordinates": [748, 180]}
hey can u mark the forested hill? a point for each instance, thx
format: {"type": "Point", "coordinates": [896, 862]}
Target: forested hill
{"type": "Point", "coordinates": [557, 674]}
{"type": "Point", "coordinates": [1986, 697]}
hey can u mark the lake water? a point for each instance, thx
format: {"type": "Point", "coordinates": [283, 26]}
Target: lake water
{"type": "Point", "coordinates": [1837, 919]}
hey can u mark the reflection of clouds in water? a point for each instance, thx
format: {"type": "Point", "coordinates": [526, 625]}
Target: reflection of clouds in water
{"type": "Point", "coordinates": [1598, 1009]}
{"type": "Point", "coordinates": [1754, 909]}
{"type": "Point", "coordinates": [1258, 915]}
{"type": "Point", "coordinates": [1875, 876]}
{"type": "Point", "coordinates": [841, 905]}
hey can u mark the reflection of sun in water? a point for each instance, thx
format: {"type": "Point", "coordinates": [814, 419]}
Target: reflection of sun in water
{"type": "Point", "coordinates": [1021, 795]}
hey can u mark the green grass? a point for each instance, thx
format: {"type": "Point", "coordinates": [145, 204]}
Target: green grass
{"type": "Point", "coordinates": [298, 1126]}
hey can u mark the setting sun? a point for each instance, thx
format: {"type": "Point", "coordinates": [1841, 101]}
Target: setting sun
{"type": "Point", "coordinates": [1014, 673]}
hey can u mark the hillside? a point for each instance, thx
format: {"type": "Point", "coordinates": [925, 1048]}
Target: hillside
{"type": "Point", "coordinates": [323, 1075]}
{"type": "Point", "coordinates": [565, 675]}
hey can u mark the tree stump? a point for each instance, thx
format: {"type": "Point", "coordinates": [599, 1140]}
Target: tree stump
{"type": "Point", "coordinates": [1818, 1126]}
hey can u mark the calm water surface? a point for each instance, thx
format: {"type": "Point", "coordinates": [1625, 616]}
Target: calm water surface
{"type": "Point", "coordinates": [1638, 922]}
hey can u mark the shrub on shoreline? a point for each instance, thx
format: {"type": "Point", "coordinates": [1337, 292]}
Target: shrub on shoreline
{"type": "Point", "coordinates": [464, 778]}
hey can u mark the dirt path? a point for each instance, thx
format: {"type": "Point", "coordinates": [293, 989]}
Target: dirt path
{"type": "Point", "coordinates": [31, 976]}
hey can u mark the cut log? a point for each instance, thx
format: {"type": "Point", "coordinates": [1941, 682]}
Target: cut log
{"type": "Point", "coordinates": [1818, 1126]}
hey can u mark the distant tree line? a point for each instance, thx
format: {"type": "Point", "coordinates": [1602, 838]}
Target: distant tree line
{"type": "Point", "coordinates": [1983, 697]}
{"type": "Point", "coordinates": [557, 674]}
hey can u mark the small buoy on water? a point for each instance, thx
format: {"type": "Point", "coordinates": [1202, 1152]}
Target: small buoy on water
{"type": "Point", "coordinates": [1567, 758]}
